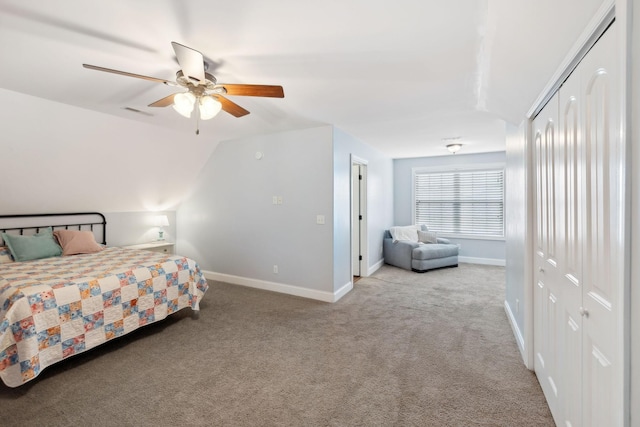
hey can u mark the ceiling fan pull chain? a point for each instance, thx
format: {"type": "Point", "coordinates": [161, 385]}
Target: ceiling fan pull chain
{"type": "Point", "coordinates": [198, 123]}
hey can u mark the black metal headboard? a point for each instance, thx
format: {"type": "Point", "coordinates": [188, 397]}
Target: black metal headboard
{"type": "Point", "coordinates": [32, 223]}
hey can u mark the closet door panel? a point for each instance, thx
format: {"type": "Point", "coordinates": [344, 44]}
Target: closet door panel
{"type": "Point", "coordinates": [603, 273]}
{"type": "Point", "coordinates": [547, 294]}
{"type": "Point", "coordinates": [571, 259]}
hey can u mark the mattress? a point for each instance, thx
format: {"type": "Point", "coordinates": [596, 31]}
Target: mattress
{"type": "Point", "coordinates": [54, 308]}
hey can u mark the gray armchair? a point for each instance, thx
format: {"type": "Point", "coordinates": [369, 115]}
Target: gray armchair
{"type": "Point", "coordinates": [419, 257]}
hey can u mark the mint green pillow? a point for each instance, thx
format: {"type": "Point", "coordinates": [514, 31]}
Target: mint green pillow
{"type": "Point", "coordinates": [25, 248]}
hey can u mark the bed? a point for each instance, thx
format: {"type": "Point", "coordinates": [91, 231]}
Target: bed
{"type": "Point", "coordinates": [55, 307]}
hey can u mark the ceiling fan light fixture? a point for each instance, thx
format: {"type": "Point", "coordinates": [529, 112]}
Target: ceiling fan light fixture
{"type": "Point", "coordinates": [209, 107]}
{"type": "Point", "coordinates": [183, 103]}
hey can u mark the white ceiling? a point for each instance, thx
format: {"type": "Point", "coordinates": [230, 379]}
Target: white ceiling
{"type": "Point", "coordinates": [399, 75]}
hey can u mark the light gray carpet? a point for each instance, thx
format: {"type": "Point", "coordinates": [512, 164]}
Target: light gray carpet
{"type": "Point", "coordinates": [401, 349]}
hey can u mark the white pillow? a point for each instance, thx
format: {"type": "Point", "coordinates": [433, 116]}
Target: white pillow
{"type": "Point", "coordinates": [427, 237]}
{"type": "Point", "coordinates": [407, 232]}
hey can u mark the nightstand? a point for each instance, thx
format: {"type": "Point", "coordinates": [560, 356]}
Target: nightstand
{"type": "Point", "coordinates": [159, 246]}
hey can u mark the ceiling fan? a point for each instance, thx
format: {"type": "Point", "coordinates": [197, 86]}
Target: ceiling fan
{"type": "Point", "coordinates": [202, 88]}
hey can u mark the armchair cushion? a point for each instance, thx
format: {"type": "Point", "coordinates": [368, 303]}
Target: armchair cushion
{"type": "Point", "coordinates": [436, 250]}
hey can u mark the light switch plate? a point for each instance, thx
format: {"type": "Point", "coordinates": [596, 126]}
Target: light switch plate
{"type": "Point", "coordinates": [320, 219]}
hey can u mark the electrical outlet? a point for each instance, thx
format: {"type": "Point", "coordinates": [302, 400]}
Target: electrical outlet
{"type": "Point", "coordinates": [279, 200]}
{"type": "Point", "coordinates": [275, 200]}
{"type": "Point", "coordinates": [275, 269]}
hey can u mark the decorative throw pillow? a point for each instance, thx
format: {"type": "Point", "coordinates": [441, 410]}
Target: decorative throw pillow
{"type": "Point", "coordinates": [25, 248]}
{"type": "Point", "coordinates": [75, 242]}
{"type": "Point", "coordinates": [427, 237]}
{"type": "Point", "coordinates": [5, 255]}
{"type": "Point", "coordinates": [407, 232]}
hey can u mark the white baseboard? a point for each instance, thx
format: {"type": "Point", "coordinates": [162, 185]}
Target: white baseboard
{"type": "Point", "coordinates": [280, 287]}
{"type": "Point", "coordinates": [375, 267]}
{"type": "Point", "coordinates": [516, 331]}
{"type": "Point", "coordinates": [485, 261]}
{"type": "Point", "coordinates": [342, 291]}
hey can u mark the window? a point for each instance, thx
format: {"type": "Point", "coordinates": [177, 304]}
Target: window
{"type": "Point", "coordinates": [466, 203]}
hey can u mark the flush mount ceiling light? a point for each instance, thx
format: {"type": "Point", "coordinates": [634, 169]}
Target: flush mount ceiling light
{"type": "Point", "coordinates": [202, 88]}
{"type": "Point", "coordinates": [452, 145]}
{"type": "Point", "coordinates": [453, 148]}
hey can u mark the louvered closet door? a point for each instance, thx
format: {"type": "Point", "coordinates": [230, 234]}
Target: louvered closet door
{"type": "Point", "coordinates": [547, 296]}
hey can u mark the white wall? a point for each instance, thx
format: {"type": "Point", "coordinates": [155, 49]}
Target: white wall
{"type": "Point", "coordinates": [516, 222]}
{"type": "Point", "coordinates": [472, 250]}
{"type": "Point", "coordinates": [230, 225]}
{"type": "Point", "coordinates": [58, 158]}
{"type": "Point", "coordinates": [130, 228]}
{"type": "Point", "coordinates": [379, 203]}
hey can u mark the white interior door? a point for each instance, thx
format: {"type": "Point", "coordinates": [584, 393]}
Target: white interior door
{"type": "Point", "coordinates": [356, 184]}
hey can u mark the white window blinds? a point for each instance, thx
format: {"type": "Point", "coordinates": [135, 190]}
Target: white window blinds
{"type": "Point", "coordinates": [469, 203]}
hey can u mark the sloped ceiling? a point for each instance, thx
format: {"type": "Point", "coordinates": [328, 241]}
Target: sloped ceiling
{"type": "Point", "coordinates": [60, 158]}
{"type": "Point", "coordinates": [401, 76]}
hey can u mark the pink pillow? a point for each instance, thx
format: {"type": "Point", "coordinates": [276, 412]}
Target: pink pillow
{"type": "Point", "coordinates": [5, 255]}
{"type": "Point", "coordinates": [75, 242]}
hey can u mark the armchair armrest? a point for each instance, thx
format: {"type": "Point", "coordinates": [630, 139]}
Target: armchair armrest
{"type": "Point", "coordinates": [398, 253]}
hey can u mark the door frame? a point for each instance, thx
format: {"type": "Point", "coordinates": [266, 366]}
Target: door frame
{"type": "Point", "coordinates": [364, 252]}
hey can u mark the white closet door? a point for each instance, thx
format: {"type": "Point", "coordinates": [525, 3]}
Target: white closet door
{"type": "Point", "coordinates": [547, 295]}
{"type": "Point", "coordinates": [603, 246]}
{"type": "Point", "coordinates": [572, 170]}
{"type": "Point", "coordinates": [579, 265]}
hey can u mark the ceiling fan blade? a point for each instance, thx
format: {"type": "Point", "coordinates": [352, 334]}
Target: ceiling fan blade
{"type": "Point", "coordinates": [231, 107]}
{"type": "Point", "coordinates": [164, 102]}
{"type": "Point", "coordinates": [191, 61]}
{"type": "Point", "coordinates": [253, 90]}
{"type": "Point", "coordinates": [124, 73]}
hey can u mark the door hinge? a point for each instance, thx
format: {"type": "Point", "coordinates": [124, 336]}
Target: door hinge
{"type": "Point", "coordinates": [360, 217]}
{"type": "Point", "coordinates": [360, 257]}
{"type": "Point", "coordinates": [360, 177]}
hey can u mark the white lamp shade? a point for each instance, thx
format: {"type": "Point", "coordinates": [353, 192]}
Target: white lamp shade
{"type": "Point", "coordinates": [161, 221]}
{"type": "Point", "coordinates": [209, 107]}
{"type": "Point", "coordinates": [183, 103]}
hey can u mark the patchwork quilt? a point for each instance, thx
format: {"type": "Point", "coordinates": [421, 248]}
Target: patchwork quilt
{"type": "Point", "coordinates": [53, 308]}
